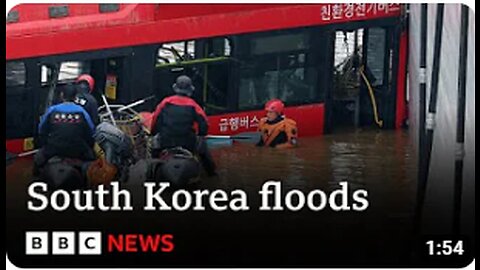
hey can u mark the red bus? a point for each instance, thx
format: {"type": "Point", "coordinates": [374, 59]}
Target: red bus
{"type": "Point", "coordinates": [238, 55]}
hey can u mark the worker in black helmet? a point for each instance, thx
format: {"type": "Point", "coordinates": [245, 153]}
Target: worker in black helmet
{"type": "Point", "coordinates": [173, 121]}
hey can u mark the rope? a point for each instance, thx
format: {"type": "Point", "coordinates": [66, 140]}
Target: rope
{"type": "Point", "coordinates": [372, 97]}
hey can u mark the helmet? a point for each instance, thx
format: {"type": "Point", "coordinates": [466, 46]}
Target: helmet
{"type": "Point", "coordinates": [275, 105]}
{"type": "Point", "coordinates": [86, 78]}
{"type": "Point", "coordinates": [183, 85]}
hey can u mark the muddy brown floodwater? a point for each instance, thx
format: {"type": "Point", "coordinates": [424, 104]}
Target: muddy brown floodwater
{"type": "Point", "coordinates": [376, 160]}
{"type": "Point", "coordinates": [381, 162]}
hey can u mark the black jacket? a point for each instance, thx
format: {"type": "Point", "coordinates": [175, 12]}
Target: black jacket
{"type": "Point", "coordinates": [67, 129]}
{"type": "Point", "coordinates": [90, 104]}
{"type": "Point", "coordinates": [174, 120]}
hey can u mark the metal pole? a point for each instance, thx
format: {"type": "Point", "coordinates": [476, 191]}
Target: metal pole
{"type": "Point", "coordinates": [421, 183]}
{"type": "Point", "coordinates": [460, 148]}
{"type": "Point", "coordinates": [432, 106]}
{"type": "Point", "coordinates": [112, 118]}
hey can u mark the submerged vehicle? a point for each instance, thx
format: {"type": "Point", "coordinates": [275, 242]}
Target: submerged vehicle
{"type": "Point", "coordinates": [137, 50]}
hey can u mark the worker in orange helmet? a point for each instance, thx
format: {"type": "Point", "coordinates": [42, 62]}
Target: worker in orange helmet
{"type": "Point", "coordinates": [277, 130]}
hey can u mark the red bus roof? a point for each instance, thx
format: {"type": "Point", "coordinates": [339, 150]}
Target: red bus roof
{"type": "Point", "coordinates": [83, 27]}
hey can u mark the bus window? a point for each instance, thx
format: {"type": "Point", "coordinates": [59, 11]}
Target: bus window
{"type": "Point", "coordinates": [168, 65]}
{"type": "Point", "coordinates": [214, 76]}
{"type": "Point", "coordinates": [227, 48]}
{"type": "Point", "coordinates": [376, 54]}
{"type": "Point", "coordinates": [218, 47]}
{"type": "Point", "coordinates": [281, 66]}
{"type": "Point", "coordinates": [214, 91]}
{"type": "Point", "coordinates": [69, 71]}
{"type": "Point", "coordinates": [15, 74]}
{"type": "Point", "coordinates": [345, 92]}
{"type": "Point", "coordinates": [205, 61]}
{"type": "Point", "coordinates": [279, 43]}
{"type": "Point", "coordinates": [175, 52]}
{"type": "Point", "coordinates": [19, 120]}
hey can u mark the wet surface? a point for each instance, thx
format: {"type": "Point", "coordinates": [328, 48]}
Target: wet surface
{"type": "Point", "coordinates": [381, 162]}
{"type": "Point", "coordinates": [357, 157]}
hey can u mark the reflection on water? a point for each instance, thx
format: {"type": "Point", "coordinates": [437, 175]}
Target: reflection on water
{"type": "Point", "coordinates": [366, 158]}
{"type": "Point", "coordinates": [379, 161]}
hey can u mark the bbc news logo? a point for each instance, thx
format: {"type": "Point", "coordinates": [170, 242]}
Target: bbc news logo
{"type": "Point", "coordinates": [63, 243]}
{"type": "Point", "coordinates": [90, 243]}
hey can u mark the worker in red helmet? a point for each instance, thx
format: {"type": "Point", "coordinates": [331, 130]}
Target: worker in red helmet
{"type": "Point", "coordinates": [85, 86]}
{"type": "Point", "coordinates": [277, 130]}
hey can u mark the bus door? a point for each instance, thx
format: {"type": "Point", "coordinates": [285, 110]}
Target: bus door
{"type": "Point", "coordinates": [111, 70]}
{"type": "Point", "coordinates": [58, 71]}
{"type": "Point", "coordinates": [364, 77]}
{"type": "Point", "coordinates": [378, 77]}
{"type": "Point", "coordinates": [109, 77]}
{"type": "Point", "coordinates": [124, 75]}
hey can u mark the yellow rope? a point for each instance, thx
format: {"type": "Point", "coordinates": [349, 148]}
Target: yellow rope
{"type": "Point", "coordinates": [372, 97]}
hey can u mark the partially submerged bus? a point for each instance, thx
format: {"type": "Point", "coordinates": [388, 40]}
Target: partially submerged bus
{"type": "Point", "coordinates": [332, 64]}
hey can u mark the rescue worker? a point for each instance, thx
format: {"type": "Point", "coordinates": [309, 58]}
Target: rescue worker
{"type": "Point", "coordinates": [85, 85]}
{"type": "Point", "coordinates": [65, 130]}
{"type": "Point", "coordinates": [173, 123]}
{"type": "Point", "coordinates": [277, 130]}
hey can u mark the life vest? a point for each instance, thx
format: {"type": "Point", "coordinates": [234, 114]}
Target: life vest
{"type": "Point", "coordinates": [281, 134]}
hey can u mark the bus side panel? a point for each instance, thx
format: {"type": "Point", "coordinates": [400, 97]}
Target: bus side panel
{"type": "Point", "coordinates": [134, 25]}
{"type": "Point", "coordinates": [309, 118]}
{"type": "Point", "coordinates": [15, 146]}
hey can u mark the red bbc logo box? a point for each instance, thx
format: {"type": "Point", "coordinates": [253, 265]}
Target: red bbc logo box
{"type": "Point", "coordinates": [63, 243]}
